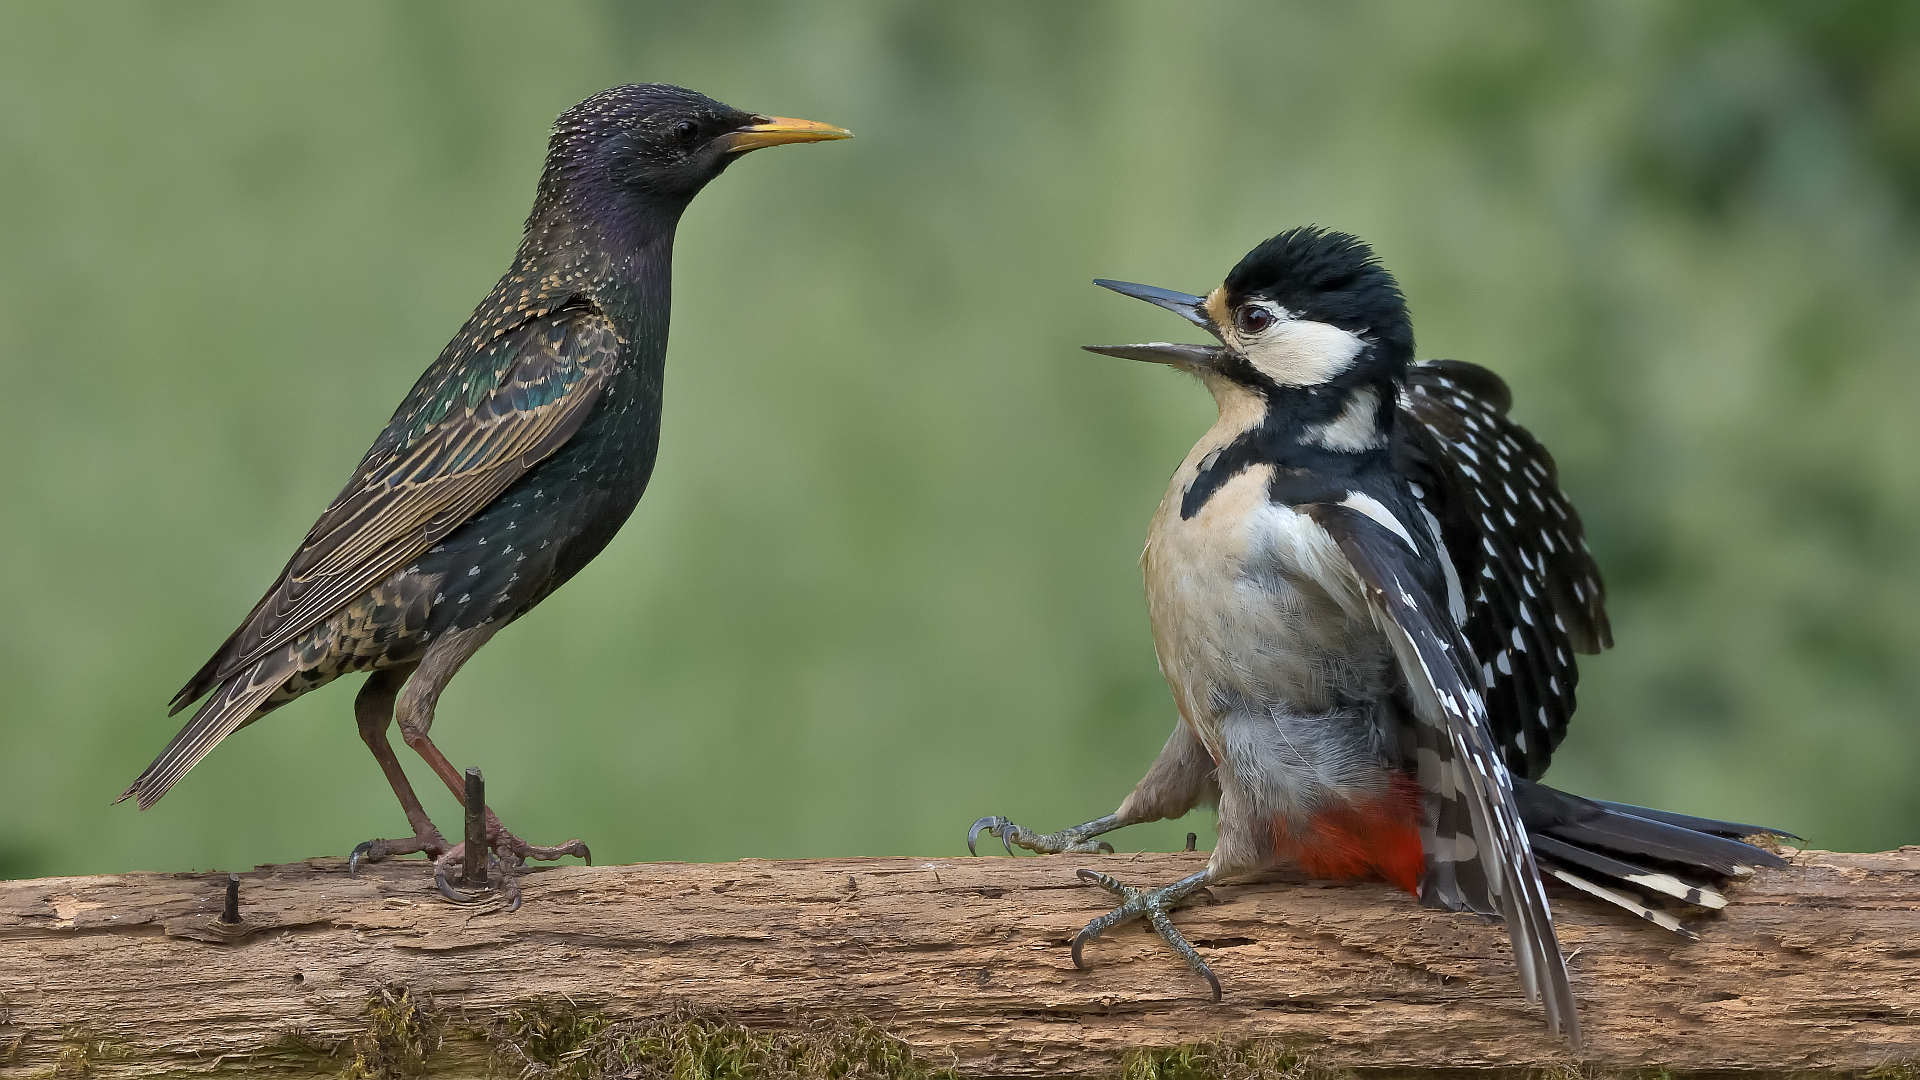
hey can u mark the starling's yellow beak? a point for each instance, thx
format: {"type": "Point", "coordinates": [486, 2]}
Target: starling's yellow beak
{"type": "Point", "coordinates": [774, 130]}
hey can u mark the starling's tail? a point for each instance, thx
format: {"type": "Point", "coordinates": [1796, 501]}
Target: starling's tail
{"type": "Point", "coordinates": [232, 705]}
{"type": "Point", "coordinates": [1649, 862]}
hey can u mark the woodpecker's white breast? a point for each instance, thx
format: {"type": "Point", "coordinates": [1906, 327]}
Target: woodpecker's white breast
{"type": "Point", "coordinates": [1251, 602]}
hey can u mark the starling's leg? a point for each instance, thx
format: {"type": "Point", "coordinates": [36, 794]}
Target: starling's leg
{"type": "Point", "coordinates": [1078, 839]}
{"type": "Point", "coordinates": [374, 710]}
{"type": "Point", "coordinates": [1153, 905]}
{"type": "Point", "coordinates": [415, 713]}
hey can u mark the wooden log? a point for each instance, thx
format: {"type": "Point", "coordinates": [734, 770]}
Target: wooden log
{"type": "Point", "coordinates": [1815, 967]}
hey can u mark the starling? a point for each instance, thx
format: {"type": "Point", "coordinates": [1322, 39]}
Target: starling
{"type": "Point", "coordinates": [508, 467]}
{"type": "Point", "coordinates": [1366, 590]}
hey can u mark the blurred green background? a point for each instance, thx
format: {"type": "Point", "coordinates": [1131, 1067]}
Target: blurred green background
{"type": "Point", "coordinates": [885, 581]}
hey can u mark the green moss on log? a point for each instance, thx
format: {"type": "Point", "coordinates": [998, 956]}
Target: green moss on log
{"type": "Point", "coordinates": [567, 1044]}
{"type": "Point", "coordinates": [1254, 1060]}
{"type": "Point", "coordinates": [402, 1031]}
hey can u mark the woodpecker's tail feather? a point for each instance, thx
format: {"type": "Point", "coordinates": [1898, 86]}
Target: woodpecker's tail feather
{"type": "Point", "coordinates": [1698, 824]}
{"type": "Point", "coordinates": [233, 704]}
{"type": "Point", "coordinates": [1660, 866]}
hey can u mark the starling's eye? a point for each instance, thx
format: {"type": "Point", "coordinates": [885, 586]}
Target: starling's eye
{"type": "Point", "coordinates": [1252, 319]}
{"type": "Point", "coordinates": [685, 130]}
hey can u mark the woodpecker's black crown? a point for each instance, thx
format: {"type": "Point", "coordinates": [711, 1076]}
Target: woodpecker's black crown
{"type": "Point", "coordinates": [1330, 277]}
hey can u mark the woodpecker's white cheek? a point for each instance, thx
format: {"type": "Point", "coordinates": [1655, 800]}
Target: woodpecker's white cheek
{"type": "Point", "coordinates": [1300, 352]}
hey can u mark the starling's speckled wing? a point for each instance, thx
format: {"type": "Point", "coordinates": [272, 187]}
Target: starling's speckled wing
{"type": "Point", "coordinates": [475, 423]}
{"type": "Point", "coordinates": [1533, 593]}
{"type": "Point", "coordinates": [1477, 854]}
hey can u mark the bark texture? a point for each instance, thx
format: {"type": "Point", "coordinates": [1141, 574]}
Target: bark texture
{"type": "Point", "coordinates": [1815, 967]}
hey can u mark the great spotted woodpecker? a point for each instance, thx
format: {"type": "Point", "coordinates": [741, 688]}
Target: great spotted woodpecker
{"type": "Point", "coordinates": [1366, 590]}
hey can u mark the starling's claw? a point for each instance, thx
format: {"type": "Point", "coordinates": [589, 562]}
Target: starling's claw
{"type": "Point", "coordinates": [455, 860]}
{"type": "Point", "coordinates": [440, 882]}
{"type": "Point", "coordinates": [1105, 848]}
{"type": "Point", "coordinates": [507, 853]}
{"type": "Point", "coordinates": [372, 851]}
{"type": "Point", "coordinates": [520, 849]}
{"type": "Point", "coordinates": [446, 889]}
{"type": "Point", "coordinates": [1152, 905]}
{"type": "Point", "coordinates": [509, 887]}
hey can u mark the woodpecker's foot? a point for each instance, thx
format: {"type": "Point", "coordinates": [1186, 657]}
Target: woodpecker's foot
{"type": "Point", "coordinates": [1077, 840]}
{"type": "Point", "coordinates": [1152, 905]}
{"type": "Point", "coordinates": [373, 851]}
{"type": "Point", "coordinates": [507, 854]}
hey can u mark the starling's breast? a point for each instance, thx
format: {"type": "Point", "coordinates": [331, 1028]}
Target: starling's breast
{"type": "Point", "coordinates": [550, 524]}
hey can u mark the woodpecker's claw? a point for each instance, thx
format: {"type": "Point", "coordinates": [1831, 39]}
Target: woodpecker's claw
{"type": "Point", "coordinates": [995, 825]}
{"type": "Point", "coordinates": [1077, 840]}
{"type": "Point", "coordinates": [1152, 905]}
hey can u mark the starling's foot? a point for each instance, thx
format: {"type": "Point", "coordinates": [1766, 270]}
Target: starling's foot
{"type": "Point", "coordinates": [373, 851]}
{"type": "Point", "coordinates": [520, 849]}
{"type": "Point", "coordinates": [1153, 905]}
{"type": "Point", "coordinates": [508, 853]}
{"type": "Point", "coordinates": [501, 879]}
{"type": "Point", "coordinates": [1078, 840]}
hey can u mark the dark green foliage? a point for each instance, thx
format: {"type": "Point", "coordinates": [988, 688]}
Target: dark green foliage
{"type": "Point", "coordinates": [894, 527]}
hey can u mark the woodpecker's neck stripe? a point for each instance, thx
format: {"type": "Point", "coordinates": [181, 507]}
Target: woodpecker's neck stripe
{"type": "Point", "coordinates": [1306, 467]}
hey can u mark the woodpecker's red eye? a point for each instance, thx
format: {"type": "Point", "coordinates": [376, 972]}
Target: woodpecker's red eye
{"type": "Point", "coordinates": [1253, 319]}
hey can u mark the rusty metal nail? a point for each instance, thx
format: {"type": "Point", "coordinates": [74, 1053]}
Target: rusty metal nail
{"type": "Point", "coordinates": [1192, 839]}
{"type": "Point", "coordinates": [231, 914]}
{"type": "Point", "coordinates": [475, 849]}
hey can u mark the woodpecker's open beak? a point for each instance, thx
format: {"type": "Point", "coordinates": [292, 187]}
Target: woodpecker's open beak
{"type": "Point", "coordinates": [1188, 357]}
{"type": "Point", "coordinates": [774, 130]}
{"type": "Point", "coordinates": [1187, 306]}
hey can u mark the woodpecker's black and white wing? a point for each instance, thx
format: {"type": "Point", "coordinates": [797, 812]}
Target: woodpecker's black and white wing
{"type": "Point", "coordinates": [1475, 843]}
{"type": "Point", "coordinates": [1533, 598]}
{"type": "Point", "coordinates": [1533, 594]}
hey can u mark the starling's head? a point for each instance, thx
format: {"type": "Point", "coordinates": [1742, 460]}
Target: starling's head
{"type": "Point", "coordinates": [659, 143]}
